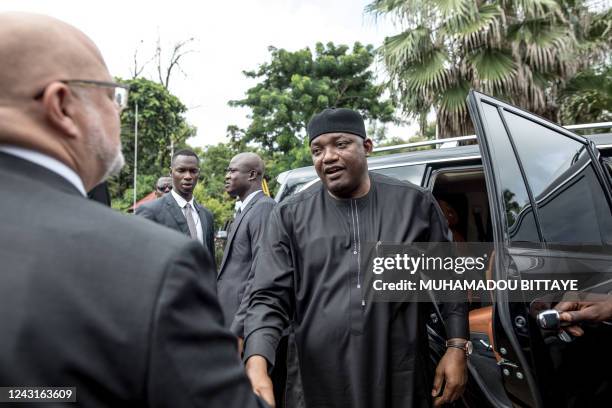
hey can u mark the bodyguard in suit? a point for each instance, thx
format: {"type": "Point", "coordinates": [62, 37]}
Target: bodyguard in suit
{"type": "Point", "coordinates": [243, 181]}
{"type": "Point", "coordinates": [178, 209]}
{"type": "Point", "coordinates": [115, 306]}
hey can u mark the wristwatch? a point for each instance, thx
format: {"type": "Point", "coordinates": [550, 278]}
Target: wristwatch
{"type": "Point", "coordinates": [464, 345]}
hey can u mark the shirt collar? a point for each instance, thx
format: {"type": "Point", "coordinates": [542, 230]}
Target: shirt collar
{"type": "Point", "coordinates": [244, 203]}
{"type": "Point", "coordinates": [181, 201]}
{"type": "Point", "coordinates": [47, 162]}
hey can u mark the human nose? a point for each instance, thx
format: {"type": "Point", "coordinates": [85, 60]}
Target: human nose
{"type": "Point", "coordinates": [329, 155]}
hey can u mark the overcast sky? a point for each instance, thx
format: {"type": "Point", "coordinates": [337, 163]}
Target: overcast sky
{"type": "Point", "coordinates": [230, 37]}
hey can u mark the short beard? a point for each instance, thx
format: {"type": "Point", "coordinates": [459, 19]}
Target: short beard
{"type": "Point", "coordinates": [111, 158]}
{"type": "Point", "coordinates": [115, 165]}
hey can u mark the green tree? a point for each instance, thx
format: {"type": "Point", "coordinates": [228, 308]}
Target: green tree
{"type": "Point", "coordinates": [161, 123]}
{"type": "Point", "coordinates": [293, 86]}
{"type": "Point", "coordinates": [521, 50]}
{"type": "Point", "coordinates": [587, 97]}
{"type": "Point", "coordinates": [210, 190]}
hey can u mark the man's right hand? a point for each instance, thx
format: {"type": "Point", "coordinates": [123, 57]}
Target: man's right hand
{"type": "Point", "coordinates": [257, 371]}
{"type": "Point", "coordinates": [594, 308]}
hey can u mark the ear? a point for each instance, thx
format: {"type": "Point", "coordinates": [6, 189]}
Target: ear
{"type": "Point", "coordinates": [252, 174]}
{"type": "Point", "coordinates": [61, 106]}
{"type": "Point", "coordinates": [368, 146]}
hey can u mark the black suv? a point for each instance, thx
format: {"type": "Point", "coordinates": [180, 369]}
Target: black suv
{"type": "Point", "coordinates": [537, 191]}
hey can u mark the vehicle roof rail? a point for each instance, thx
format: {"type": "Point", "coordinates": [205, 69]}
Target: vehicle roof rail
{"type": "Point", "coordinates": [424, 143]}
{"type": "Point", "coordinates": [599, 125]}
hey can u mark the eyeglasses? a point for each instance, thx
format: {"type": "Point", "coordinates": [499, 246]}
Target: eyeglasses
{"type": "Point", "coordinates": [121, 90]}
{"type": "Point", "coordinates": [120, 95]}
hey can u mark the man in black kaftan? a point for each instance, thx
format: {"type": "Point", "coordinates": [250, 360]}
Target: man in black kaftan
{"type": "Point", "coordinates": [352, 353]}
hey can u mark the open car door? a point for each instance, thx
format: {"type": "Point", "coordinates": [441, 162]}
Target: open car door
{"type": "Point", "coordinates": [551, 212]}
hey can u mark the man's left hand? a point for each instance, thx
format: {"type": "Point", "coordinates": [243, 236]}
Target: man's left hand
{"type": "Point", "coordinates": [452, 371]}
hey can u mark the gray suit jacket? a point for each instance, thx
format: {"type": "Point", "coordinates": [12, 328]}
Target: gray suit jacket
{"type": "Point", "coordinates": [114, 305]}
{"type": "Point", "coordinates": [240, 252]}
{"type": "Point", "coordinates": [166, 211]}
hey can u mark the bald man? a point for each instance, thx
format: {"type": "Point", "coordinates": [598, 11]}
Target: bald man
{"type": "Point", "coordinates": [163, 186]}
{"type": "Point", "coordinates": [243, 180]}
{"type": "Point", "coordinates": [115, 306]}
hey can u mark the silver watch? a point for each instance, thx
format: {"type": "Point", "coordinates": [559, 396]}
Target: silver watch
{"type": "Point", "coordinates": [466, 346]}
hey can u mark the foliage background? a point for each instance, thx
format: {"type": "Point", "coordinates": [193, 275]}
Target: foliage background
{"type": "Point", "coordinates": [161, 124]}
{"type": "Point", "coordinates": [548, 56]}
{"type": "Point", "coordinates": [523, 51]}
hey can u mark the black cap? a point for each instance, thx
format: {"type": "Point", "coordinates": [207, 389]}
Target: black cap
{"type": "Point", "coordinates": [340, 120]}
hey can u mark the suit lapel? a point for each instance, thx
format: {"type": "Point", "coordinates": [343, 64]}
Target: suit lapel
{"type": "Point", "coordinates": [176, 213]}
{"type": "Point", "coordinates": [235, 226]}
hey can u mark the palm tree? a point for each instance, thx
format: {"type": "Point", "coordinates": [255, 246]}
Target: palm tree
{"type": "Point", "coordinates": [521, 50]}
{"type": "Point", "coordinates": [587, 97]}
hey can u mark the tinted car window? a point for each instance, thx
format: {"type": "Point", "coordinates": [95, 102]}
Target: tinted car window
{"type": "Point", "coordinates": [519, 215]}
{"type": "Point", "coordinates": [572, 207]}
{"type": "Point", "coordinates": [413, 174]}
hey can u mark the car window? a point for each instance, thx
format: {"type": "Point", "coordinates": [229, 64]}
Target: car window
{"type": "Point", "coordinates": [293, 186]}
{"type": "Point", "coordinates": [520, 220]}
{"type": "Point", "coordinates": [413, 174]}
{"type": "Point", "coordinates": [571, 203]}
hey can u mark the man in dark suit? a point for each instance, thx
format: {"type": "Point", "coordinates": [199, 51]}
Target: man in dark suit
{"type": "Point", "coordinates": [178, 209]}
{"type": "Point", "coordinates": [243, 181]}
{"type": "Point", "coordinates": [115, 306]}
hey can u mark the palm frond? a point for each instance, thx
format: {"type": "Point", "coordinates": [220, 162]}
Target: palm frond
{"type": "Point", "coordinates": [453, 7]}
{"type": "Point", "coordinates": [476, 29]}
{"type": "Point", "coordinates": [453, 99]}
{"type": "Point", "coordinates": [493, 64]}
{"type": "Point", "coordinates": [545, 43]}
{"type": "Point", "coordinates": [430, 73]}
{"type": "Point", "coordinates": [413, 12]}
{"type": "Point", "coordinates": [536, 8]}
{"type": "Point", "coordinates": [406, 48]}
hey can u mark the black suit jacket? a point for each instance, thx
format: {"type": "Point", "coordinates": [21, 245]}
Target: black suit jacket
{"type": "Point", "coordinates": [240, 252]}
{"type": "Point", "coordinates": [114, 305]}
{"type": "Point", "coordinates": [166, 211]}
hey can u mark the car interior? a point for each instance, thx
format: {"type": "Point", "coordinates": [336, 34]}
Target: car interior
{"type": "Point", "coordinates": [462, 195]}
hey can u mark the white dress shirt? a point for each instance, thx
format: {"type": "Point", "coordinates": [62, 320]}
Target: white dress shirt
{"type": "Point", "coordinates": [194, 213]}
{"type": "Point", "coordinates": [47, 162]}
{"type": "Point", "coordinates": [244, 203]}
